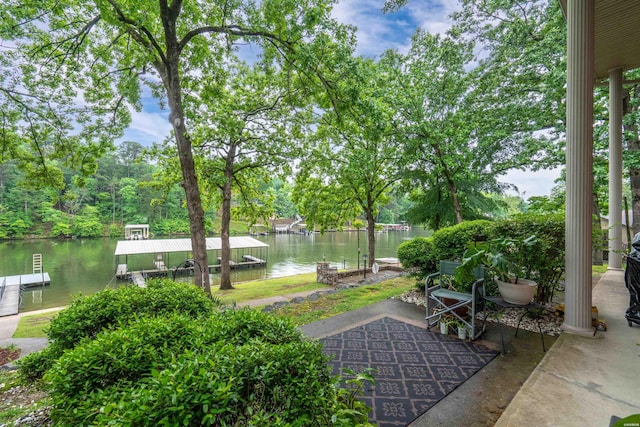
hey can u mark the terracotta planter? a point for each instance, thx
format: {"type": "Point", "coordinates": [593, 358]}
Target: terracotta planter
{"type": "Point", "coordinates": [520, 294]}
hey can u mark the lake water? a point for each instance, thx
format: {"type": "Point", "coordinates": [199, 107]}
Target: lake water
{"type": "Point", "coordinates": [86, 266]}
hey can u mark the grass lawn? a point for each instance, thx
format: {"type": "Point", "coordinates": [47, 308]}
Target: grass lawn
{"type": "Point", "coordinates": [32, 326]}
{"type": "Point", "coordinates": [258, 289]}
{"type": "Point", "coordinates": [345, 300]}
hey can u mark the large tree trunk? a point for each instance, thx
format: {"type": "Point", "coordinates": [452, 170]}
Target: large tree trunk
{"type": "Point", "coordinates": [225, 269]}
{"type": "Point", "coordinates": [596, 224]}
{"type": "Point", "coordinates": [451, 185]}
{"type": "Point", "coordinates": [456, 201]}
{"type": "Point", "coordinates": [633, 145]}
{"type": "Point", "coordinates": [371, 234]}
{"type": "Point", "coordinates": [170, 73]}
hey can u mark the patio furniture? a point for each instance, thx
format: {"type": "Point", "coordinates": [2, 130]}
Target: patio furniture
{"type": "Point", "coordinates": [440, 300]}
{"type": "Point", "coordinates": [496, 307]}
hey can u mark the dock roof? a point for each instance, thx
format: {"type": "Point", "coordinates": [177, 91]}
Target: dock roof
{"type": "Point", "coordinates": [154, 246]}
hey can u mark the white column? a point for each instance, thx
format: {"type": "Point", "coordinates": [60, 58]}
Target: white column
{"type": "Point", "coordinates": [580, 42]}
{"type": "Point", "coordinates": [615, 169]}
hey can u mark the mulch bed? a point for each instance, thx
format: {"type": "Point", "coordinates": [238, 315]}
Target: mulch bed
{"type": "Point", "coordinates": [8, 355]}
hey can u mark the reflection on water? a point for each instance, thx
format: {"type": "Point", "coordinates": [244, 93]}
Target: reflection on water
{"type": "Point", "coordinates": [86, 266]}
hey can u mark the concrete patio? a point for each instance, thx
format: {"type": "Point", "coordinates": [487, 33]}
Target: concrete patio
{"type": "Point", "coordinates": [585, 381]}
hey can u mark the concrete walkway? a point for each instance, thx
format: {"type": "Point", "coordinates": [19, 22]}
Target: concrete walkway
{"type": "Point", "coordinates": [585, 381]}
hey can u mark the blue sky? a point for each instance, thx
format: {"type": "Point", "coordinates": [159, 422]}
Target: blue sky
{"type": "Point", "coordinates": [376, 33]}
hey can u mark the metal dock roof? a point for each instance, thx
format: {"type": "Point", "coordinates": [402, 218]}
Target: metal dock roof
{"type": "Point", "coordinates": [134, 247]}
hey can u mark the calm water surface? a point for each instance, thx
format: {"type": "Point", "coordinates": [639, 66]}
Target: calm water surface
{"type": "Point", "coordinates": [87, 266]}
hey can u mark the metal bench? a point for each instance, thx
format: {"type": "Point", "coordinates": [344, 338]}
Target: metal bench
{"type": "Point", "coordinates": [436, 293]}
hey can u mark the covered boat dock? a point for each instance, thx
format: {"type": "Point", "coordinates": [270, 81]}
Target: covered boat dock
{"type": "Point", "coordinates": [173, 256]}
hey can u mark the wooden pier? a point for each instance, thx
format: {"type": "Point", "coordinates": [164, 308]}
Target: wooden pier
{"type": "Point", "coordinates": [10, 287]}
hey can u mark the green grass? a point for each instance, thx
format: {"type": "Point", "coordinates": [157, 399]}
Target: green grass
{"type": "Point", "coordinates": [33, 326]}
{"type": "Point", "coordinates": [258, 289]}
{"type": "Point", "coordinates": [599, 269]}
{"type": "Point", "coordinates": [345, 300]}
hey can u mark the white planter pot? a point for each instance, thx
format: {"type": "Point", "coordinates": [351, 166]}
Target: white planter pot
{"type": "Point", "coordinates": [462, 333]}
{"type": "Point", "coordinates": [444, 328]}
{"type": "Point", "coordinates": [521, 293]}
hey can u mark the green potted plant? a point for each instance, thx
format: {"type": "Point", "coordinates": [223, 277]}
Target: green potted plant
{"type": "Point", "coordinates": [506, 261]}
{"type": "Point", "coordinates": [445, 321]}
{"type": "Point", "coordinates": [462, 329]}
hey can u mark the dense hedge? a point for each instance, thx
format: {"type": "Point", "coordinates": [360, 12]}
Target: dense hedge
{"type": "Point", "coordinates": [451, 242]}
{"type": "Point", "coordinates": [109, 309]}
{"type": "Point", "coordinates": [238, 367]}
{"type": "Point", "coordinates": [418, 255]}
{"type": "Point", "coordinates": [421, 255]}
{"type": "Point", "coordinates": [546, 257]}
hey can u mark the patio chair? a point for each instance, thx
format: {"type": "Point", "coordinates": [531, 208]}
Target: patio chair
{"type": "Point", "coordinates": [440, 300]}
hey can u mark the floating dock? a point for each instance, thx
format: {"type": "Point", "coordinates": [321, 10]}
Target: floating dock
{"type": "Point", "coordinates": [10, 287]}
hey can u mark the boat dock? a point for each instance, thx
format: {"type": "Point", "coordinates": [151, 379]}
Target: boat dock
{"type": "Point", "coordinates": [168, 257]}
{"type": "Point", "coordinates": [10, 287]}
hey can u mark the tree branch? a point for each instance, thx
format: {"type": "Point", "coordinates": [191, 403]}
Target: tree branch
{"type": "Point", "coordinates": [151, 44]}
{"type": "Point", "coordinates": [232, 30]}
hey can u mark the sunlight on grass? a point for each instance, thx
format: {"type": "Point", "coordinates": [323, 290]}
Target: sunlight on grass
{"type": "Point", "coordinates": [345, 300]}
{"type": "Point", "coordinates": [33, 326]}
{"type": "Point", "coordinates": [258, 289]}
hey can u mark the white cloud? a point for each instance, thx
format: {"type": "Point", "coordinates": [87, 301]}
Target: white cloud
{"type": "Point", "coordinates": [147, 128]}
{"type": "Point", "coordinates": [531, 183]}
{"type": "Point", "coordinates": [378, 32]}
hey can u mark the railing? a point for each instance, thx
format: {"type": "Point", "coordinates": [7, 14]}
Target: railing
{"type": "Point", "coordinates": [2, 288]}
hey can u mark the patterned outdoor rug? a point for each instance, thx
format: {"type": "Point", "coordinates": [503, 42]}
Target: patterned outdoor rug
{"type": "Point", "coordinates": [414, 368]}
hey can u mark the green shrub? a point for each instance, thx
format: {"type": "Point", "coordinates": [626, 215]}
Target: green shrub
{"type": "Point", "coordinates": [109, 309]}
{"type": "Point", "coordinates": [450, 243]}
{"type": "Point", "coordinates": [33, 366]}
{"type": "Point", "coordinates": [86, 316]}
{"type": "Point", "coordinates": [250, 384]}
{"type": "Point", "coordinates": [422, 254]}
{"type": "Point", "coordinates": [222, 370]}
{"type": "Point", "coordinates": [417, 256]}
{"type": "Point", "coordinates": [124, 355]}
{"type": "Point", "coordinates": [546, 257]}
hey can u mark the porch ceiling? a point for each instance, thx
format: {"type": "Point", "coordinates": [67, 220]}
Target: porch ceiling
{"type": "Point", "coordinates": [617, 43]}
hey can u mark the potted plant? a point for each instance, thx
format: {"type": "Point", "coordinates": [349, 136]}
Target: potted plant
{"type": "Point", "coordinates": [445, 321]}
{"type": "Point", "coordinates": [505, 260]}
{"type": "Point", "coordinates": [462, 329]}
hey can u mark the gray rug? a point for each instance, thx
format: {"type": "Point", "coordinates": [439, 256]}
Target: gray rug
{"type": "Point", "coordinates": [413, 367]}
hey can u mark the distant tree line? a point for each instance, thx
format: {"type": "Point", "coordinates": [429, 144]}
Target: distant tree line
{"type": "Point", "coordinates": [126, 189]}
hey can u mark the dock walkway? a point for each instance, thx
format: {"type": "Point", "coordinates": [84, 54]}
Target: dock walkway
{"type": "Point", "coordinates": [10, 290]}
{"type": "Point", "coordinates": [138, 279]}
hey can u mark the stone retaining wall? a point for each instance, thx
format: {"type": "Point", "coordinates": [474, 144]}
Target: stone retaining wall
{"type": "Point", "coordinates": [330, 275]}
